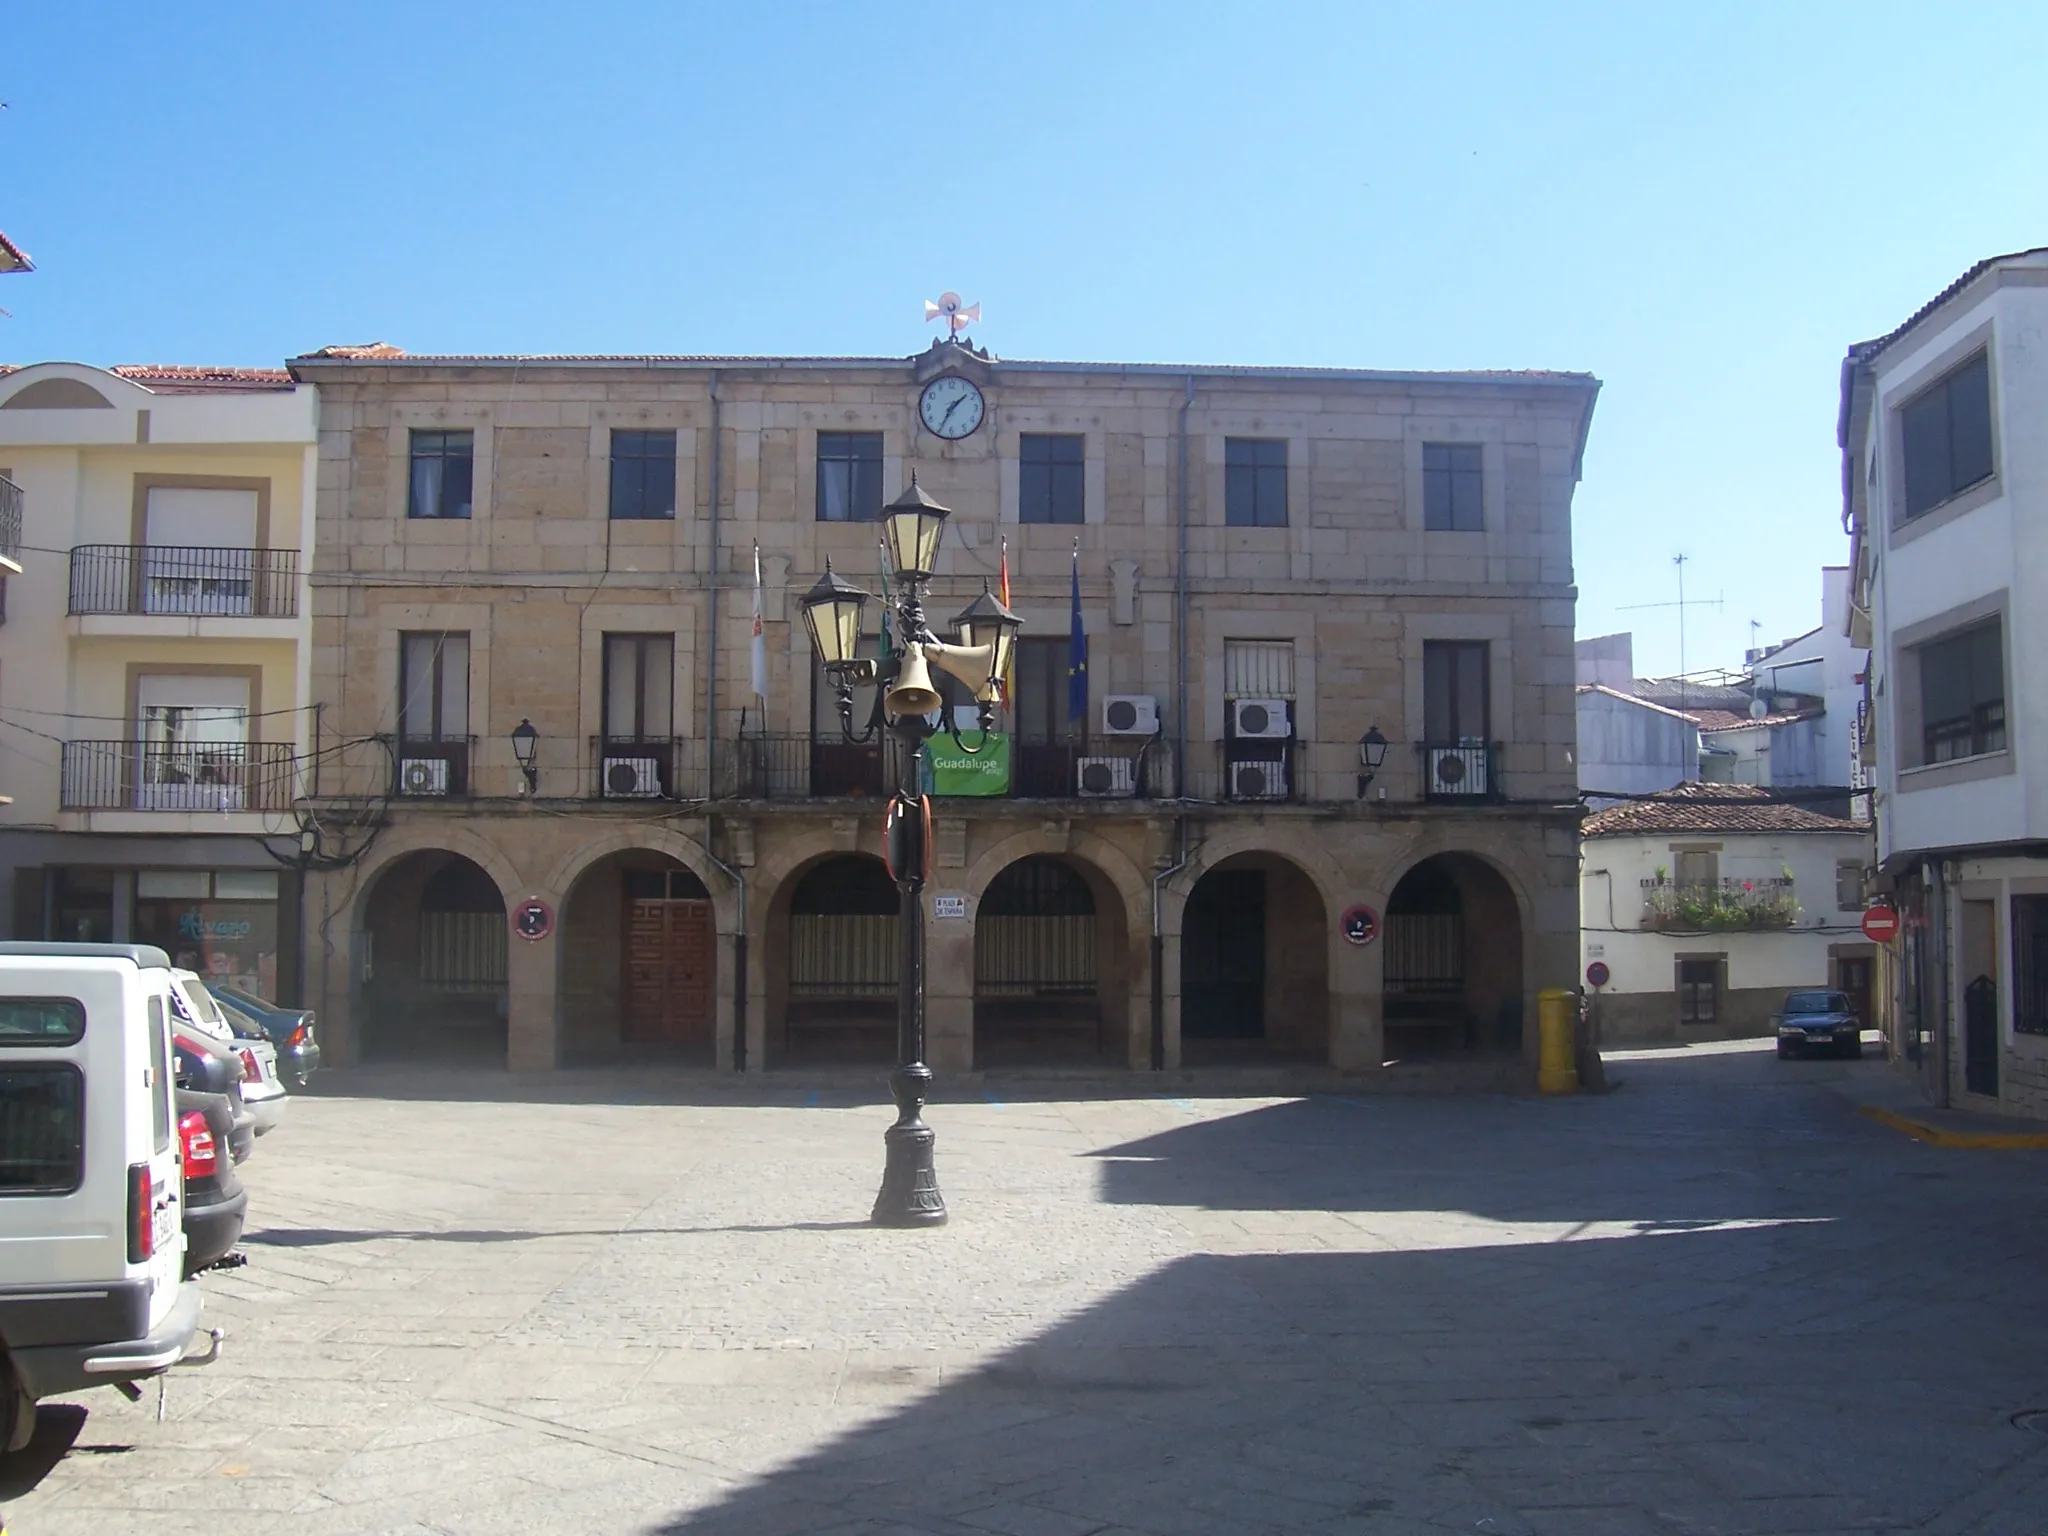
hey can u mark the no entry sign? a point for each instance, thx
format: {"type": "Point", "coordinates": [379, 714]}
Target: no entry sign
{"type": "Point", "coordinates": [1597, 974]}
{"type": "Point", "coordinates": [1881, 923]}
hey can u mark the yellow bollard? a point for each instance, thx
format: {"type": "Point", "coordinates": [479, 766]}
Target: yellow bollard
{"type": "Point", "coordinates": [1556, 1011]}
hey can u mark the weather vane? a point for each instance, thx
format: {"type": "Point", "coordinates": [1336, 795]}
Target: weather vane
{"type": "Point", "coordinates": [957, 316]}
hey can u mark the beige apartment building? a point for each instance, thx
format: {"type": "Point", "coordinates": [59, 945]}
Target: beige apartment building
{"type": "Point", "coordinates": [153, 661]}
{"type": "Point", "coordinates": [1282, 574]}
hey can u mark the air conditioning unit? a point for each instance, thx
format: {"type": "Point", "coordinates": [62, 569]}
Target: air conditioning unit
{"type": "Point", "coordinates": [1258, 781]}
{"type": "Point", "coordinates": [631, 778]}
{"type": "Point", "coordinates": [1456, 771]}
{"type": "Point", "coordinates": [1105, 776]}
{"type": "Point", "coordinates": [1130, 714]}
{"type": "Point", "coordinates": [423, 776]}
{"type": "Point", "coordinates": [1261, 719]}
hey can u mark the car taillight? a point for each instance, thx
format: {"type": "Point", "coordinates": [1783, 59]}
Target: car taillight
{"type": "Point", "coordinates": [202, 1157]}
{"type": "Point", "coordinates": [141, 1214]}
{"type": "Point", "coordinates": [250, 1070]}
{"type": "Point", "coordinates": [296, 1037]}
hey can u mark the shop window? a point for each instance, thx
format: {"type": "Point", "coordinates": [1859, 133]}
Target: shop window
{"type": "Point", "coordinates": [222, 924]}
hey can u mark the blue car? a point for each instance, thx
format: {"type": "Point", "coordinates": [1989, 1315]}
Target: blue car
{"type": "Point", "coordinates": [1818, 1020]}
{"type": "Point", "coordinates": [289, 1029]}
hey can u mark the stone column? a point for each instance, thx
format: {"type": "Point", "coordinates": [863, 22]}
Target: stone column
{"type": "Point", "coordinates": [1357, 1027]}
{"type": "Point", "coordinates": [948, 979]}
{"type": "Point", "coordinates": [531, 1026]}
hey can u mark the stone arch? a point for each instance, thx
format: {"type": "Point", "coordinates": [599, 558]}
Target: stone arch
{"type": "Point", "coordinates": [1456, 942]}
{"type": "Point", "coordinates": [1133, 889]}
{"type": "Point", "coordinates": [1305, 852]}
{"type": "Point", "coordinates": [639, 962]}
{"type": "Point", "coordinates": [833, 997]}
{"type": "Point", "coordinates": [431, 977]}
{"type": "Point", "coordinates": [1050, 961]}
{"type": "Point", "coordinates": [689, 853]}
{"type": "Point", "coordinates": [441, 838]}
{"type": "Point", "coordinates": [1254, 962]}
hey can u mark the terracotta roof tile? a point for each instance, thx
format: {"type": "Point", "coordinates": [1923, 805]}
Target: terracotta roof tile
{"type": "Point", "coordinates": [13, 258]}
{"type": "Point", "coordinates": [1711, 808]}
{"type": "Point", "coordinates": [180, 379]}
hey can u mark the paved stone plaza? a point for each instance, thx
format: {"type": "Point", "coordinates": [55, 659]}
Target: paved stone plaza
{"type": "Point", "coordinates": [1717, 1300]}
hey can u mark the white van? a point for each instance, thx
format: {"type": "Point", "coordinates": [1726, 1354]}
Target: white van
{"type": "Point", "coordinates": [91, 1193]}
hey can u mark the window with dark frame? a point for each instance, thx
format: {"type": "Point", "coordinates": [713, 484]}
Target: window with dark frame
{"type": "Point", "coordinates": [1455, 706]}
{"type": "Point", "coordinates": [1849, 885]}
{"type": "Point", "coordinates": [639, 688]}
{"type": "Point", "coordinates": [849, 477]}
{"type": "Point", "coordinates": [1698, 987]}
{"type": "Point", "coordinates": [433, 687]}
{"type": "Point", "coordinates": [643, 484]}
{"type": "Point", "coordinates": [2030, 964]}
{"type": "Point", "coordinates": [1945, 436]}
{"type": "Point", "coordinates": [1255, 482]}
{"type": "Point", "coordinates": [1039, 712]}
{"type": "Point", "coordinates": [443, 474]}
{"type": "Point", "coordinates": [1051, 477]}
{"type": "Point", "coordinates": [1453, 488]}
{"type": "Point", "coordinates": [1962, 695]}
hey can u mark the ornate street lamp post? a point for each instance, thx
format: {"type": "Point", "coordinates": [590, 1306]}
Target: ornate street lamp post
{"type": "Point", "coordinates": [911, 527]}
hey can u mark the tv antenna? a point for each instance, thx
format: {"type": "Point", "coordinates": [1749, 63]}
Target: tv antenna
{"type": "Point", "coordinates": [1681, 605]}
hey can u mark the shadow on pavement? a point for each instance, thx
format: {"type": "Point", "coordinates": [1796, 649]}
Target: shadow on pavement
{"type": "Point", "coordinates": [328, 1237]}
{"type": "Point", "coordinates": [1773, 1378]}
{"type": "Point", "coordinates": [58, 1426]}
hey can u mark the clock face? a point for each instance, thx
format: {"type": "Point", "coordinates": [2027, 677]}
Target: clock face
{"type": "Point", "coordinates": [951, 407]}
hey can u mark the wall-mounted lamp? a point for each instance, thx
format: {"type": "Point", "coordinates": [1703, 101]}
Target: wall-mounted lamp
{"type": "Point", "coordinates": [526, 747]}
{"type": "Point", "coordinates": [1372, 756]}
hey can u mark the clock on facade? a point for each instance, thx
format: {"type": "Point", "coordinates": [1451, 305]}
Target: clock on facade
{"type": "Point", "coordinates": [951, 407]}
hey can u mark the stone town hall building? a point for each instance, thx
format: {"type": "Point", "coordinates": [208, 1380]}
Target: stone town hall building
{"type": "Point", "coordinates": [1273, 563]}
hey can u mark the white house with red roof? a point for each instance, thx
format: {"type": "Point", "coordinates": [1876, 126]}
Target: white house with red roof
{"type": "Point", "coordinates": [1708, 902]}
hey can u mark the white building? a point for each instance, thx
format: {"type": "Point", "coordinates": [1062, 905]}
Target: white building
{"type": "Point", "coordinates": [154, 661]}
{"type": "Point", "coordinates": [1945, 482]}
{"type": "Point", "coordinates": [1824, 664]}
{"type": "Point", "coordinates": [1709, 901]}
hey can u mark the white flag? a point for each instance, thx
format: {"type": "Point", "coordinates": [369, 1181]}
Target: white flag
{"type": "Point", "coordinates": [760, 639]}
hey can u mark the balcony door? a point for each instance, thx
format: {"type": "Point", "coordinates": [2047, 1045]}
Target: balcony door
{"type": "Point", "coordinates": [199, 551]}
{"type": "Point", "coordinates": [193, 743]}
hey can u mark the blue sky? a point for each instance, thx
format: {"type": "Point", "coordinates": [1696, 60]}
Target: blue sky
{"type": "Point", "coordinates": [1701, 205]}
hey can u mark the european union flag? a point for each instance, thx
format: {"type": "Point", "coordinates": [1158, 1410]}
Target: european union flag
{"type": "Point", "coordinates": [1077, 651]}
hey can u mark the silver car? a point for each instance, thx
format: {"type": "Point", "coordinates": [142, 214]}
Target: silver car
{"type": "Point", "coordinates": [263, 1091]}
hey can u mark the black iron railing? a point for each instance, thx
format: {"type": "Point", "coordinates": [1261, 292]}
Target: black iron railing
{"type": "Point", "coordinates": [1460, 770]}
{"type": "Point", "coordinates": [1244, 770]}
{"type": "Point", "coordinates": [638, 768]}
{"type": "Point", "coordinates": [185, 580]}
{"type": "Point", "coordinates": [797, 768]}
{"type": "Point", "coordinates": [221, 776]}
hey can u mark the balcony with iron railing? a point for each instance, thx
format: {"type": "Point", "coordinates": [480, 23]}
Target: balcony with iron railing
{"type": "Point", "coordinates": [1722, 906]}
{"type": "Point", "coordinates": [182, 581]}
{"type": "Point", "coordinates": [646, 768]}
{"type": "Point", "coordinates": [224, 776]}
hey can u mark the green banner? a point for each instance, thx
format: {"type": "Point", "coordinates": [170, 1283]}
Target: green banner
{"type": "Point", "coordinates": [954, 772]}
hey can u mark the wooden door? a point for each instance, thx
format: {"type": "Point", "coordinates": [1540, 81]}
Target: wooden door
{"type": "Point", "coordinates": [668, 972]}
{"type": "Point", "coordinates": [1853, 977]}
